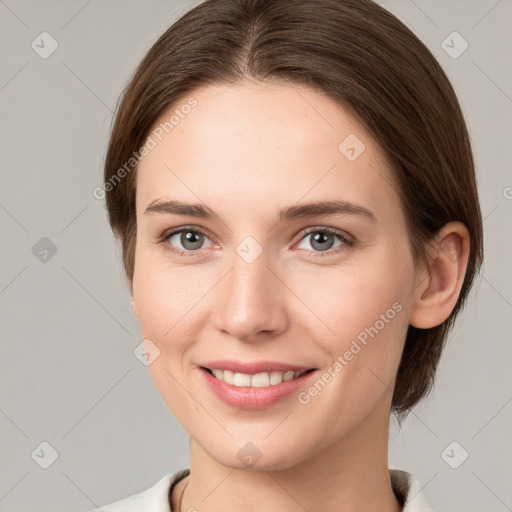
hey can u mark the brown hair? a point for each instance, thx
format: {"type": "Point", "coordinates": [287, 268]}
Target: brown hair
{"type": "Point", "coordinates": [361, 56]}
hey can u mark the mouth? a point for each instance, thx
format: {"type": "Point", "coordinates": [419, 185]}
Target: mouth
{"type": "Point", "coordinates": [256, 380]}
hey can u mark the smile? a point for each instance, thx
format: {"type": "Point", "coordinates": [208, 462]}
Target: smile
{"type": "Point", "coordinates": [257, 380]}
{"type": "Point", "coordinates": [255, 390]}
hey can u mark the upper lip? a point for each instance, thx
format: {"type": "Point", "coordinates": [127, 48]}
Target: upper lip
{"type": "Point", "coordinates": [253, 367]}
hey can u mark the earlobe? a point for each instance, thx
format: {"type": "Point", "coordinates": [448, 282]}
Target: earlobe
{"type": "Point", "coordinates": [438, 290]}
{"type": "Point", "coordinates": [133, 305]}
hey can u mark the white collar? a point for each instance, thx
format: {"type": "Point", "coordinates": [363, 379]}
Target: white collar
{"type": "Point", "coordinates": [406, 485]}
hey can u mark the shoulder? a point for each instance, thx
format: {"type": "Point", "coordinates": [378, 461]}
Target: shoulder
{"type": "Point", "coordinates": [154, 499]}
{"type": "Point", "coordinates": [408, 489]}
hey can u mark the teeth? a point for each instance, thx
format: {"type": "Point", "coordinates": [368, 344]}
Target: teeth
{"type": "Point", "coordinates": [242, 379]}
{"type": "Point", "coordinates": [228, 376]}
{"type": "Point", "coordinates": [258, 380]}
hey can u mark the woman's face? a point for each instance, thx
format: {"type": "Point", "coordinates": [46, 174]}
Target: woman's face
{"type": "Point", "coordinates": [265, 285]}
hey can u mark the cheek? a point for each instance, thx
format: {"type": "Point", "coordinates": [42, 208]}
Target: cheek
{"type": "Point", "coordinates": [166, 299]}
{"type": "Point", "coordinates": [352, 293]}
{"type": "Point", "coordinates": [167, 307]}
{"type": "Point", "coordinates": [174, 306]}
{"type": "Point", "coordinates": [361, 309]}
{"type": "Point", "coordinates": [366, 311]}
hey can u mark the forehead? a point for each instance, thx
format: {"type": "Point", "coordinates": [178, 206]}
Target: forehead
{"type": "Point", "coordinates": [258, 144]}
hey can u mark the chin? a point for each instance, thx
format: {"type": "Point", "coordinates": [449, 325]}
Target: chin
{"type": "Point", "coordinates": [257, 455]}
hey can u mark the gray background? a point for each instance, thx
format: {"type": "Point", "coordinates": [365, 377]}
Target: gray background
{"type": "Point", "coordinates": [68, 373]}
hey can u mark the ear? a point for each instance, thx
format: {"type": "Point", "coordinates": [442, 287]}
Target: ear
{"type": "Point", "coordinates": [438, 286]}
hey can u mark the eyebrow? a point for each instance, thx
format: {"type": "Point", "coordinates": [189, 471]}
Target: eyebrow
{"type": "Point", "coordinates": [285, 214]}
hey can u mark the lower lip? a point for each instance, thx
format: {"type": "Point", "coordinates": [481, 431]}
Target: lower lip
{"type": "Point", "coordinates": [245, 397]}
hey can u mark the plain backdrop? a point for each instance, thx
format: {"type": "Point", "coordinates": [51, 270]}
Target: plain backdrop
{"type": "Point", "coordinates": [73, 395]}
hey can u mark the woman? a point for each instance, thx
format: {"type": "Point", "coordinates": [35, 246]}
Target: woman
{"type": "Point", "coordinates": [294, 189]}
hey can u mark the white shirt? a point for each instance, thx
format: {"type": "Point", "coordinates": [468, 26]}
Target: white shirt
{"type": "Point", "coordinates": [156, 498]}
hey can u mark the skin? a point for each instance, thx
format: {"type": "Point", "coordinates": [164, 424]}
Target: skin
{"type": "Point", "coordinates": [246, 151]}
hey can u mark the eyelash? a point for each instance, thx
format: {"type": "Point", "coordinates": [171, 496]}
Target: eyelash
{"type": "Point", "coordinates": [348, 241]}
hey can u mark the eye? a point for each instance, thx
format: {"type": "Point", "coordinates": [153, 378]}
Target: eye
{"type": "Point", "coordinates": [185, 240]}
{"type": "Point", "coordinates": [323, 239]}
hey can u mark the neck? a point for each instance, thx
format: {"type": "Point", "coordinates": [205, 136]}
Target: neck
{"type": "Point", "coordinates": [351, 475]}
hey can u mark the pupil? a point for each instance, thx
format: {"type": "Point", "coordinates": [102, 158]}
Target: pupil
{"type": "Point", "coordinates": [193, 238]}
{"type": "Point", "coordinates": [320, 238]}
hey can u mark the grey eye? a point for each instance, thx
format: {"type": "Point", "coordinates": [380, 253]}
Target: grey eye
{"type": "Point", "coordinates": [321, 240]}
{"type": "Point", "coordinates": [189, 239]}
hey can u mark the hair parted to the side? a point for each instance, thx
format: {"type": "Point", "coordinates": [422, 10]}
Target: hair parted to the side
{"type": "Point", "coordinates": [361, 56]}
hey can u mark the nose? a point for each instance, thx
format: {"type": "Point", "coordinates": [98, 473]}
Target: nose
{"type": "Point", "coordinates": [250, 303]}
